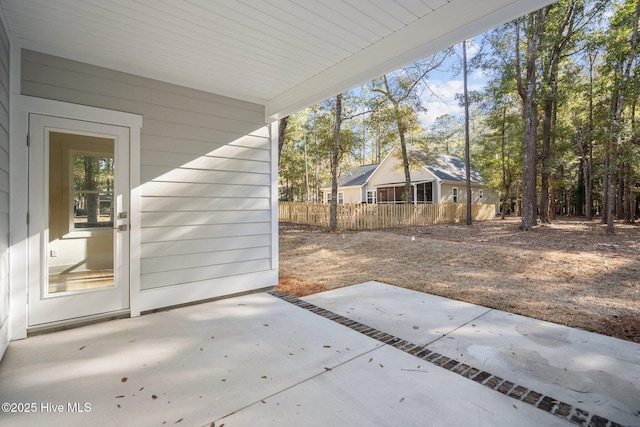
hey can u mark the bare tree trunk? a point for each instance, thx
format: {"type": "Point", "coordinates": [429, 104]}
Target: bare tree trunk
{"type": "Point", "coordinates": [627, 195]}
{"type": "Point", "coordinates": [605, 190]}
{"type": "Point", "coordinates": [611, 196]}
{"type": "Point", "coordinates": [306, 172]}
{"type": "Point", "coordinates": [621, 191]}
{"type": "Point", "coordinates": [527, 91]}
{"type": "Point", "coordinates": [588, 180]}
{"type": "Point", "coordinates": [564, 32]}
{"type": "Point", "coordinates": [617, 109]}
{"type": "Point", "coordinates": [335, 158]}
{"type": "Point", "coordinates": [405, 155]}
{"type": "Point", "coordinates": [552, 207]}
{"type": "Point", "coordinates": [282, 129]}
{"type": "Point", "coordinates": [467, 157]}
{"type": "Point", "coordinates": [506, 181]}
{"type": "Point", "coordinates": [544, 158]}
{"type": "Point", "coordinates": [91, 168]}
{"type": "Point", "coordinates": [589, 184]}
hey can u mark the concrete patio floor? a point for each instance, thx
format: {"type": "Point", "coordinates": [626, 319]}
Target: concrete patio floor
{"type": "Point", "coordinates": [364, 355]}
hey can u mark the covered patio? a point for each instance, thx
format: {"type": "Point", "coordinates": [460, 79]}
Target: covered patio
{"type": "Point", "coordinates": [369, 354]}
{"type": "Point", "coordinates": [196, 88]}
{"type": "Point", "coordinates": [179, 101]}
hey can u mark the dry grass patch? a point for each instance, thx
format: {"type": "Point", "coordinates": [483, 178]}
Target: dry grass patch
{"type": "Point", "coordinates": [569, 272]}
{"type": "Point", "coordinates": [297, 287]}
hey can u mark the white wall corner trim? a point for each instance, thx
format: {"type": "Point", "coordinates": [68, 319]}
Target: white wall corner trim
{"type": "Point", "coordinates": [274, 129]}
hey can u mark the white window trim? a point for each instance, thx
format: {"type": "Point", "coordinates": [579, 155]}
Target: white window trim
{"type": "Point", "coordinates": [374, 195]}
{"type": "Point", "coordinates": [455, 195]}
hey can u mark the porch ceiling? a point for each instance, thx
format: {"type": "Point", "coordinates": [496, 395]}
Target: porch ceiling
{"type": "Point", "coordinates": [284, 54]}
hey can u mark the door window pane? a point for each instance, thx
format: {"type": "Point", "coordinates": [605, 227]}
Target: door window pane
{"type": "Point", "coordinates": [80, 250]}
{"type": "Point", "coordinates": [92, 191]}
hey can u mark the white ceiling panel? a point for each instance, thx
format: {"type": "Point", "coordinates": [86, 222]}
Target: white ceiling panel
{"type": "Point", "coordinates": [284, 54]}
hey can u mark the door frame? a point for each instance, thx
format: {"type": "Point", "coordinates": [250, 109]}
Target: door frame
{"type": "Point", "coordinates": [45, 308]}
{"type": "Point", "coordinates": [21, 106]}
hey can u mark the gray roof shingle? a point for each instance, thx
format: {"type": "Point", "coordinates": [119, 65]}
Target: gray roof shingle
{"type": "Point", "coordinates": [444, 167]}
{"type": "Point", "coordinates": [356, 176]}
{"type": "Point", "coordinates": [449, 168]}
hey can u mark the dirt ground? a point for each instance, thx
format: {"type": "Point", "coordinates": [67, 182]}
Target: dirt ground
{"type": "Point", "coordinates": [569, 272]}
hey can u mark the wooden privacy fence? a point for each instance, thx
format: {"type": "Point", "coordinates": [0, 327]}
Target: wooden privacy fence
{"type": "Point", "coordinates": [371, 217]}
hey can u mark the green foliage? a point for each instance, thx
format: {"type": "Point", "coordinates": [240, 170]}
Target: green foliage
{"type": "Point", "coordinates": [584, 51]}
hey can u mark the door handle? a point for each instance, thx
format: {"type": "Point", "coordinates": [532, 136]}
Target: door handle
{"type": "Point", "coordinates": [123, 227]}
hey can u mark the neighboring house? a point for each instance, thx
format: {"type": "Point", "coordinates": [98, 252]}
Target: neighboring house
{"type": "Point", "coordinates": [138, 140]}
{"type": "Point", "coordinates": [441, 179]}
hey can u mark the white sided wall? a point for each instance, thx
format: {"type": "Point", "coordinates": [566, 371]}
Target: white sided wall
{"type": "Point", "coordinates": [206, 179]}
{"type": "Point", "coordinates": [4, 190]}
{"type": "Point", "coordinates": [447, 193]}
{"type": "Point", "coordinates": [351, 194]}
{"type": "Point", "coordinates": [391, 171]}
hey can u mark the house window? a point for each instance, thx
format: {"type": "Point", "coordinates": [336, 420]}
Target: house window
{"type": "Point", "coordinates": [424, 193]}
{"type": "Point", "coordinates": [340, 198]}
{"type": "Point", "coordinates": [392, 194]}
{"type": "Point", "coordinates": [371, 196]}
{"type": "Point", "coordinates": [480, 194]}
{"type": "Point", "coordinates": [454, 194]}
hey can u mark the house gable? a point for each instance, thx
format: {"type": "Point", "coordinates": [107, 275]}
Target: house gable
{"type": "Point", "coordinates": [445, 172]}
{"type": "Point", "coordinates": [391, 172]}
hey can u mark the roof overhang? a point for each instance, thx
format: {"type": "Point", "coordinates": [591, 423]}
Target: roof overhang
{"type": "Point", "coordinates": [402, 183]}
{"type": "Point", "coordinates": [348, 187]}
{"type": "Point", "coordinates": [282, 54]}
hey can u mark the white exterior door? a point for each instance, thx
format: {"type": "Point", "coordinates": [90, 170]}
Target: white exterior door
{"type": "Point", "coordinates": [78, 219]}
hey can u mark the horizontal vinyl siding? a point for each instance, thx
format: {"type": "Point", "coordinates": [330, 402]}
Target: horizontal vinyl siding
{"type": "Point", "coordinates": [205, 169]}
{"type": "Point", "coordinates": [4, 189]}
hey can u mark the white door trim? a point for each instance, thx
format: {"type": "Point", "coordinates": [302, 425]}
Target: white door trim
{"type": "Point", "coordinates": [46, 307]}
{"type": "Point", "coordinates": [21, 106]}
